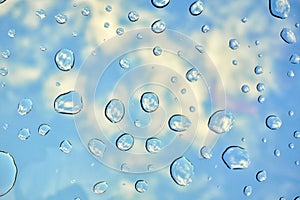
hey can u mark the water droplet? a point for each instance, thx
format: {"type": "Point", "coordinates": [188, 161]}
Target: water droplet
{"type": "Point", "coordinates": [193, 75]}
{"type": "Point", "coordinates": [43, 47]}
{"type": "Point", "coordinates": [183, 91]}
{"type": "Point", "coordinates": [297, 162]}
{"type": "Point", "coordinates": [86, 11]}
{"type": "Point", "coordinates": [182, 171]}
{"type": "Point", "coordinates": [5, 54]}
{"type": "Point", "coordinates": [297, 134]}
{"type": "Point", "coordinates": [174, 79]}
{"type": "Point", "coordinates": [3, 71]}
{"type": "Point", "coordinates": [282, 198]}
{"type": "Point", "coordinates": [290, 74]}
{"type": "Point", "coordinates": [205, 152]}
{"type": "Point", "coordinates": [65, 59]}
{"type": "Point", "coordinates": [24, 134]}
{"type": "Point", "coordinates": [179, 123]}
{"type": "Point", "coordinates": [291, 145]}
{"type": "Point", "coordinates": [124, 63]}
{"type": "Point", "coordinates": [5, 126]}
{"type": "Point", "coordinates": [294, 59]}
{"type": "Point", "coordinates": [158, 26]}
{"type": "Point", "coordinates": [115, 111]}
{"type": "Point", "coordinates": [244, 20]}
{"type": "Point", "coordinates": [279, 8]}
{"type": "Point", "coordinates": [44, 129]}
{"type": "Point", "coordinates": [205, 28]}
{"type": "Point", "coordinates": [260, 87]}
{"type": "Point", "coordinates": [125, 142]}
{"type": "Point", "coordinates": [261, 176]}
{"type": "Point", "coordinates": [65, 146]}
{"type": "Point", "coordinates": [149, 102]}
{"type": "Point", "coordinates": [236, 157]}
{"type": "Point", "coordinates": [297, 25]}
{"type": "Point", "coordinates": [141, 186]}
{"type": "Point", "coordinates": [9, 172]}
{"type": "Point", "coordinates": [108, 8]}
{"type": "Point", "coordinates": [196, 8]}
{"type": "Point", "coordinates": [160, 3]}
{"type": "Point", "coordinates": [273, 122]}
{"type": "Point", "coordinates": [153, 145]}
{"type": "Point", "coordinates": [234, 44]}
{"type": "Point", "coordinates": [11, 33]}
{"type": "Point", "coordinates": [25, 106]}
{"type": "Point", "coordinates": [247, 190]}
{"type": "Point", "coordinates": [261, 99]}
{"type": "Point", "coordinates": [97, 147]}
{"type": "Point", "coordinates": [192, 108]}
{"type": "Point", "coordinates": [221, 121]}
{"type": "Point", "coordinates": [120, 31]}
{"type": "Point", "coordinates": [291, 113]}
{"type": "Point", "coordinates": [124, 167]}
{"type": "Point", "coordinates": [139, 36]}
{"type": "Point", "coordinates": [200, 48]}
{"type": "Point", "coordinates": [100, 187]}
{"type": "Point", "coordinates": [61, 18]}
{"type": "Point", "coordinates": [133, 16]}
{"type": "Point", "coordinates": [297, 198]}
{"type": "Point", "coordinates": [106, 25]}
{"type": "Point", "coordinates": [258, 70]}
{"type": "Point", "coordinates": [277, 152]}
{"type": "Point", "coordinates": [245, 88]}
{"type": "Point", "coordinates": [2, 1]}
{"type": "Point", "coordinates": [41, 13]}
{"type": "Point", "coordinates": [264, 140]}
{"type": "Point", "coordinates": [234, 62]}
{"type": "Point", "coordinates": [68, 103]}
{"type": "Point", "coordinates": [257, 42]}
{"type": "Point", "coordinates": [288, 36]}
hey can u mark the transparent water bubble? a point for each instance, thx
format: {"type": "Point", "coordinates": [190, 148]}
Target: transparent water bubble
{"type": "Point", "coordinates": [125, 142]}
{"type": "Point", "coordinates": [114, 111]}
{"type": "Point", "coordinates": [234, 62]}
{"type": "Point", "coordinates": [100, 187]}
{"type": "Point", "coordinates": [153, 145]}
{"type": "Point", "coordinates": [297, 162]}
{"type": "Point", "coordinates": [192, 75]}
{"type": "Point", "coordinates": [261, 99]}
{"type": "Point", "coordinates": [288, 36]}
{"type": "Point", "coordinates": [86, 11]}
{"type": "Point", "coordinates": [124, 63]}
{"type": "Point", "coordinates": [61, 18]}
{"type": "Point", "coordinates": [97, 147]}
{"type": "Point", "coordinates": [182, 171]}
{"type": "Point", "coordinates": [11, 33]}
{"type": "Point", "coordinates": [205, 152]}
{"type": "Point", "coordinates": [41, 13]}
{"type": "Point", "coordinates": [108, 8]}
{"type": "Point", "coordinates": [3, 71]}
{"type": "Point", "coordinates": [25, 106]}
{"type": "Point", "coordinates": [297, 198]}
{"type": "Point", "coordinates": [244, 19]}
{"type": "Point", "coordinates": [5, 54]}
{"type": "Point", "coordinates": [68, 103]}
{"type": "Point", "coordinates": [260, 87]}
{"type": "Point", "coordinates": [277, 152]}
{"type": "Point", "coordinates": [264, 140]}
{"type": "Point", "coordinates": [221, 121]}
{"type": "Point", "coordinates": [133, 16]}
{"type": "Point", "coordinates": [157, 51]}
{"type": "Point", "coordinates": [257, 42]}
{"type": "Point", "coordinates": [2, 1]}
{"type": "Point", "coordinates": [205, 28]}
{"type": "Point", "coordinates": [158, 26]}
{"type": "Point", "coordinates": [200, 48]}
{"type": "Point", "coordinates": [261, 176]}
{"type": "Point", "coordinates": [291, 145]}
{"type": "Point", "coordinates": [137, 123]}
{"type": "Point", "coordinates": [236, 157]}
{"type": "Point", "coordinates": [120, 31]}
{"type": "Point", "coordinates": [297, 134]}
{"type": "Point", "coordinates": [234, 44]}
{"type": "Point", "coordinates": [43, 47]}
{"type": "Point", "coordinates": [160, 3]}
{"type": "Point", "coordinates": [279, 8]}
{"type": "Point", "coordinates": [273, 122]}
{"type": "Point", "coordinates": [124, 167]}
{"type": "Point", "coordinates": [139, 36]}
{"type": "Point", "coordinates": [24, 134]}
{"type": "Point", "coordinates": [179, 123]}
{"type": "Point", "coordinates": [297, 25]}
{"type": "Point", "coordinates": [245, 88]}
{"type": "Point", "coordinates": [9, 172]}
{"type": "Point", "coordinates": [65, 59]}
{"type": "Point", "coordinates": [106, 25]}
{"type": "Point", "coordinates": [149, 102]}
{"type": "Point", "coordinates": [258, 70]}
{"type": "Point", "coordinates": [5, 126]}
{"type": "Point", "coordinates": [196, 8]}
{"type": "Point", "coordinates": [174, 79]}
{"type": "Point", "coordinates": [183, 91]}
{"type": "Point", "coordinates": [65, 146]}
{"type": "Point", "coordinates": [44, 129]}
{"type": "Point", "coordinates": [192, 108]}
{"type": "Point", "coordinates": [141, 186]}
{"type": "Point", "coordinates": [291, 113]}
{"type": "Point", "coordinates": [294, 59]}
{"type": "Point", "coordinates": [247, 190]}
{"type": "Point", "coordinates": [290, 74]}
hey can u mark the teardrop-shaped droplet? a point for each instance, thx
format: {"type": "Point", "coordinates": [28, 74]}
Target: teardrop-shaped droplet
{"type": "Point", "coordinates": [192, 75]}
{"type": "Point", "coordinates": [234, 44]}
{"type": "Point", "coordinates": [153, 145]}
{"type": "Point", "coordinates": [182, 171]}
{"type": "Point", "coordinates": [261, 176]}
{"type": "Point", "coordinates": [158, 26]}
{"type": "Point", "coordinates": [221, 121]}
{"type": "Point", "coordinates": [100, 187]}
{"type": "Point", "coordinates": [141, 186]}
{"type": "Point", "coordinates": [236, 157]}
{"type": "Point", "coordinates": [44, 129]}
{"type": "Point", "coordinates": [65, 146]}
{"type": "Point", "coordinates": [288, 36]}
{"type": "Point", "coordinates": [3, 71]}
{"type": "Point", "coordinates": [9, 172]}
{"type": "Point", "coordinates": [279, 8]}
{"type": "Point", "coordinates": [273, 122]}
{"type": "Point", "coordinates": [125, 142]}
{"type": "Point", "coordinates": [149, 102]}
{"type": "Point", "coordinates": [61, 18]}
{"type": "Point", "coordinates": [114, 111]}
{"type": "Point", "coordinates": [160, 3]}
{"type": "Point", "coordinates": [196, 8]}
{"type": "Point", "coordinates": [294, 59]}
{"type": "Point", "coordinates": [24, 134]}
{"type": "Point", "coordinates": [68, 103]}
{"type": "Point", "coordinates": [179, 123]}
{"type": "Point", "coordinates": [25, 106]}
{"type": "Point", "coordinates": [133, 16]}
{"type": "Point", "coordinates": [97, 147]}
{"type": "Point", "coordinates": [65, 59]}
{"type": "Point", "coordinates": [247, 190]}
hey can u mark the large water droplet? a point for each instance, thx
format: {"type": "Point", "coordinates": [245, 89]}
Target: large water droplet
{"type": "Point", "coordinates": [41, 13]}
{"type": "Point", "coordinates": [25, 106]}
{"type": "Point", "coordinates": [160, 3]}
{"type": "Point", "coordinates": [97, 147]}
{"type": "Point", "coordinates": [182, 171]}
{"type": "Point", "coordinates": [68, 103]}
{"type": "Point", "coordinates": [179, 123]}
{"type": "Point", "coordinates": [258, 70]}
{"type": "Point", "coordinates": [196, 8]}
{"type": "Point", "coordinates": [288, 36]}
{"type": "Point", "coordinates": [44, 129]}
{"type": "Point", "coordinates": [2, 1]}
{"type": "Point", "coordinates": [247, 190]}
{"type": "Point", "coordinates": [236, 157]}
{"type": "Point", "coordinates": [261, 176]}
{"type": "Point", "coordinates": [65, 59]}
{"type": "Point", "coordinates": [294, 59]}
{"type": "Point", "coordinates": [114, 111]}
{"type": "Point", "coordinates": [158, 26]}
{"type": "Point", "coordinates": [221, 121]}
{"type": "Point", "coordinates": [125, 142]}
{"type": "Point", "coordinates": [24, 134]}
{"type": "Point", "coordinates": [205, 152]}
{"type": "Point", "coordinates": [100, 187]}
{"type": "Point", "coordinates": [149, 102]}
{"type": "Point", "coordinates": [260, 87]}
{"type": "Point", "coordinates": [273, 122]}
{"type": "Point", "coordinates": [8, 173]}
{"type": "Point", "coordinates": [193, 75]}
{"type": "Point", "coordinates": [141, 186]}
{"type": "Point", "coordinates": [234, 44]}
{"type": "Point", "coordinates": [61, 18]}
{"type": "Point", "coordinates": [3, 71]}
{"type": "Point", "coordinates": [133, 16]}
{"type": "Point", "coordinates": [65, 146]}
{"type": "Point", "coordinates": [153, 145]}
{"type": "Point", "coordinates": [279, 8]}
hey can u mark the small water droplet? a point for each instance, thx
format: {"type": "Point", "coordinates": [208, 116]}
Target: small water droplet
{"type": "Point", "coordinates": [234, 44]}
{"type": "Point", "coordinates": [244, 20]}
{"type": "Point", "coordinates": [260, 87]}
{"type": "Point", "coordinates": [273, 122]}
{"type": "Point", "coordinates": [100, 187]}
{"type": "Point", "coordinates": [97, 147]}
{"type": "Point", "coordinates": [25, 106]}
{"type": "Point", "coordinates": [120, 31]}
{"type": "Point", "coordinates": [106, 25]}
{"type": "Point", "coordinates": [86, 11]}
{"type": "Point", "coordinates": [294, 59]}
{"type": "Point", "coordinates": [115, 111]}
{"type": "Point", "coordinates": [291, 145]}
{"type": "Point", "coordinates": [200, 48]}
{"type": "Point", "coordinates": [297, 25]}
{"type": "Point", "coordinates": [124, 63]}
{"type": "Point", "coordinates": [291, 113]}
{"type": "Point", "coordinates": [65, 146]}
{"type": "Point", "coordinates": [290, 74]}
{"type": "Point", "coordinates": [153, 145]}
{"type": "Point", "coordinates": [182, 171]}
{"type": "Point", "coordinates": [264, 140]}
{"type": "Point", "coordinates": [3, 71]}
{"type": "Point", "coordinates": [196, 8]}
{"type": "Point", "coordinates": [234, 62]}
{"type": "Point", "coordinates": [288, 36]}
{"type": "Point", "coordinates": [297, 134]}
{"type": "Point", "coordinates": [11, 33]}
{"type": "Point", "coordinates": [192, 108]}
{"type": "Point", "coordinates": [61, 18]}
{"type": "Point", "coordinates": [221, 121]}
{"type": "Point", "coordinates": [65, 59]}
{"type": "Point", "coordinates": [5, 54]}
{"type": "Point", "coordinates": [205, 28]}
{"type": "Point", "coordinates": [149, 102]}
{"type": "Point", "coordinates": [157, 51]}
{"type": "Point", "coordinates": [133, 16]}
{"type": "Point", "coordinates": [24, 134]}
{"type": "Point", "coordinates": [174, 79]}
{"type": "Point", "coordinates": [261, 99]}
{"type": "Point", "coordinates": [236, 157]}
{"type": "Point", "coordinates": [68, 103]}
{"type": "Point", "coordinates": [41, 13]}
{"type": "Point", "coordinates": [258, 70]}
{"type": "Point", "coordinates": [44, 129]}
{"type": "Point", "coordinates": [139, 36]}
{"type": "Point", "coordinates": [282, 198]}
{"type": "Point", "coordinates": [279, 8]}
{"type": "Point", "coordinates": [192, 75]}
{"type": "Point", "coordinates": [43, 47]}
{"type": "Point", "coordinates": [124, 167]}
{"type": "Point", "coordinates": [108, 8]}
{"type": "Point", "coordinates": [5, 126]}
{"type": "Point", "coordinates": [245, 88]}
{"type": "Point", "coordinates": [261, 176]}
{"type": "Point", "coordinates": [160, 3]}
{"type": "Point", "coordinates": [297, 162]}
{"type": "Point", "coordinates": [205, 152]}
{"type": "Point", "coordinates": [125, 142]}
{"type": "Point", "coordinates": [9, 172]}
{"type": "Point", "coordinates": [158, 26]}
{"type": "Point", "coordinates": [183, 91]}
{"type": "Point", "coordinates": [247, 190]}
{"type": "Point", "coordinates": [179, 123]}
{"type": "Point", "coordinates": [257, 42]}
{"type": "Point", "coordinates": [277, 152]}
{"type": "Point", "coordinates": [141, 186]}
